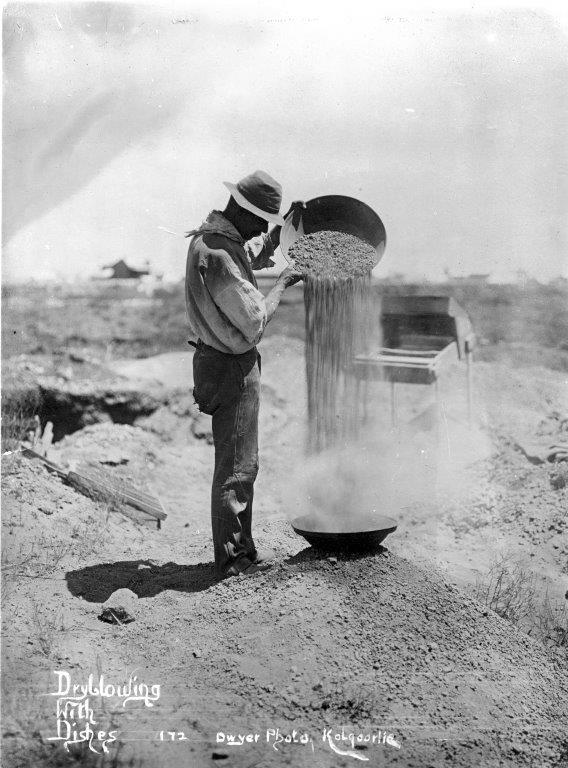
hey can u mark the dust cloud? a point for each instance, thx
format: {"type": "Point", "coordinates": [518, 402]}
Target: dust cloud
{"type": "Point", "coordinates": [390, 471]}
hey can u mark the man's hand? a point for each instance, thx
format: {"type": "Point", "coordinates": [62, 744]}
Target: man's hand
{"type": "Point", "coordinates": [286, 278]}
{"type": "Point", "coordinates": [290, 276]}
{"type": "Point", "coordinates": [297, 208]}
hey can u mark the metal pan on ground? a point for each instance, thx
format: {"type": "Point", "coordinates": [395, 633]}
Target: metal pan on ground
{"type": "Point", "coordinates": [340, 214]}
{"type": "Point", "coordinates": [365, 540]}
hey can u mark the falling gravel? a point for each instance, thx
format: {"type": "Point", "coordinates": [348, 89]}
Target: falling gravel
{"type": "Point", "coordinates": [338, 317]}
{"type": "Point", "coordinates": [339, 320]}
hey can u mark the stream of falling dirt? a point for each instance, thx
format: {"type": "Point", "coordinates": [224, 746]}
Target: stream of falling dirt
{"type": "Point", "coordinates": [341, 322]}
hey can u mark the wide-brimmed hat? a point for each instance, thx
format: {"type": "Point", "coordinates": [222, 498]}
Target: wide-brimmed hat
{"type": "Point", "coordinates": [260, 194]}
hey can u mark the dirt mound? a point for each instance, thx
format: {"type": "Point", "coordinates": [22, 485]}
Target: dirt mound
{"type": "Point", "coordinates": [370, 644]}
{"type": "Point", "coordinates": [383, 642]}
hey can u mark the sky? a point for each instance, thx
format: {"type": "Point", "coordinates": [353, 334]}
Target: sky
{"type": "Point", "coordinates": [120, 123]}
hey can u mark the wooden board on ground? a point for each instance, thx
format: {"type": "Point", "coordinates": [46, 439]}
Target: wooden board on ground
{"type": "Point", "coordinates": [98, 484]}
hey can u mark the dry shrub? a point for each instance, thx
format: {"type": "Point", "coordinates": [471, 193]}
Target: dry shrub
{"type": "Point", "coordinates": [510, 590]}
{"type": "Point", "coordinates": [47, 626]}
{"type": "Point", "coordinates": [551, 622]}
{"type": "Point", "coordinates": [19, 411]}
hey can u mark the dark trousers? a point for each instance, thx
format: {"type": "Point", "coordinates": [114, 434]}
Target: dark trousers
{"type": "Point", "coordinates": [228, 388]}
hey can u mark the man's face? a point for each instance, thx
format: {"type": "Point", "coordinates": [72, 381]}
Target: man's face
{"type": "Point", "coordinates": [250, 225]}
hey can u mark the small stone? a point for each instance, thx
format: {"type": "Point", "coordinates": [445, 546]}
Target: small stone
{"type": "Point", "coordinates": [114, 458]}
{"type": "Point", "coordinates": [218, 755]}
{"type": "Point", "coordinates": [332, 560]}
{"type": "Point", "coordinates": [120, 607]}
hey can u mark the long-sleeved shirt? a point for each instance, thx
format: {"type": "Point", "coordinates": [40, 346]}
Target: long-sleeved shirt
{"type": "Point", "coordinates": [225, 308]}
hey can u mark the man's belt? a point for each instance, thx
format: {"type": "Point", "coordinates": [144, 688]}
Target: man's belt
{"type": "Point", "coordinates": [199, 344]}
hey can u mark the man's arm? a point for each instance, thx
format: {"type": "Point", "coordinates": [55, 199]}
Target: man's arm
{"type": "Point", "coordinates": [288, 277]}
{"type": "Point", "coordinates": [239, 301]}
{"type": "Point", "coordinates": [242, 304]}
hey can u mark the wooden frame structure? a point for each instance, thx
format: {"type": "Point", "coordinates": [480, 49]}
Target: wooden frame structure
{"type": "Point", "coordinates": [423, 335]}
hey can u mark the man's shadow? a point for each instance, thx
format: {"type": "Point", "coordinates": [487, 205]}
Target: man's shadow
{"type": "Point", "coordinates": [96, 583]}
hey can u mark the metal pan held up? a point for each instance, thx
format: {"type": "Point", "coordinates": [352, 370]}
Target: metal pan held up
{"type": "Point", "coordinates": [340, 214]}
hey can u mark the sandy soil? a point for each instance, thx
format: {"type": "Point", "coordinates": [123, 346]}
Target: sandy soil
{"type": "Point", "coordinates": [391, 643]}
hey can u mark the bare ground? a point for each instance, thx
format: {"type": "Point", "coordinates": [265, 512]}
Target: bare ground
{"type": "Point", "coordinates": [394, 642]}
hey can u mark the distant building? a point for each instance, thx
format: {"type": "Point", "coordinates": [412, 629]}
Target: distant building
{"type": "Point", "coordinates": [121, 271]}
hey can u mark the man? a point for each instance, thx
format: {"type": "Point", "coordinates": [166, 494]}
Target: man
{"type": "Point", "coordinates": [228, 315]}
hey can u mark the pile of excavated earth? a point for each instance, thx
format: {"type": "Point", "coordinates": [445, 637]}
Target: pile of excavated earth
{"type": "Point", "coordinates": [387, 658]}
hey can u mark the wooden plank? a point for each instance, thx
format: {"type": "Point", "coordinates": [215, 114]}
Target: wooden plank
{"type": "Point", "coordinates": [410, 362]}
{"type": "Point", "coordinates": [116, 490]}
{"type": "Point", "coordinates": [409, 352]}
{"type": "Point", "coordinates": [412, 369]}
{"type": "Point", "coordinates": [31, 454]}
{"type": "Point", "coordinates": [113, 482]}
{"type": "Point", "coordinates": [388, 357]}
{"type": "Point", "coordinates": [91, 486]}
